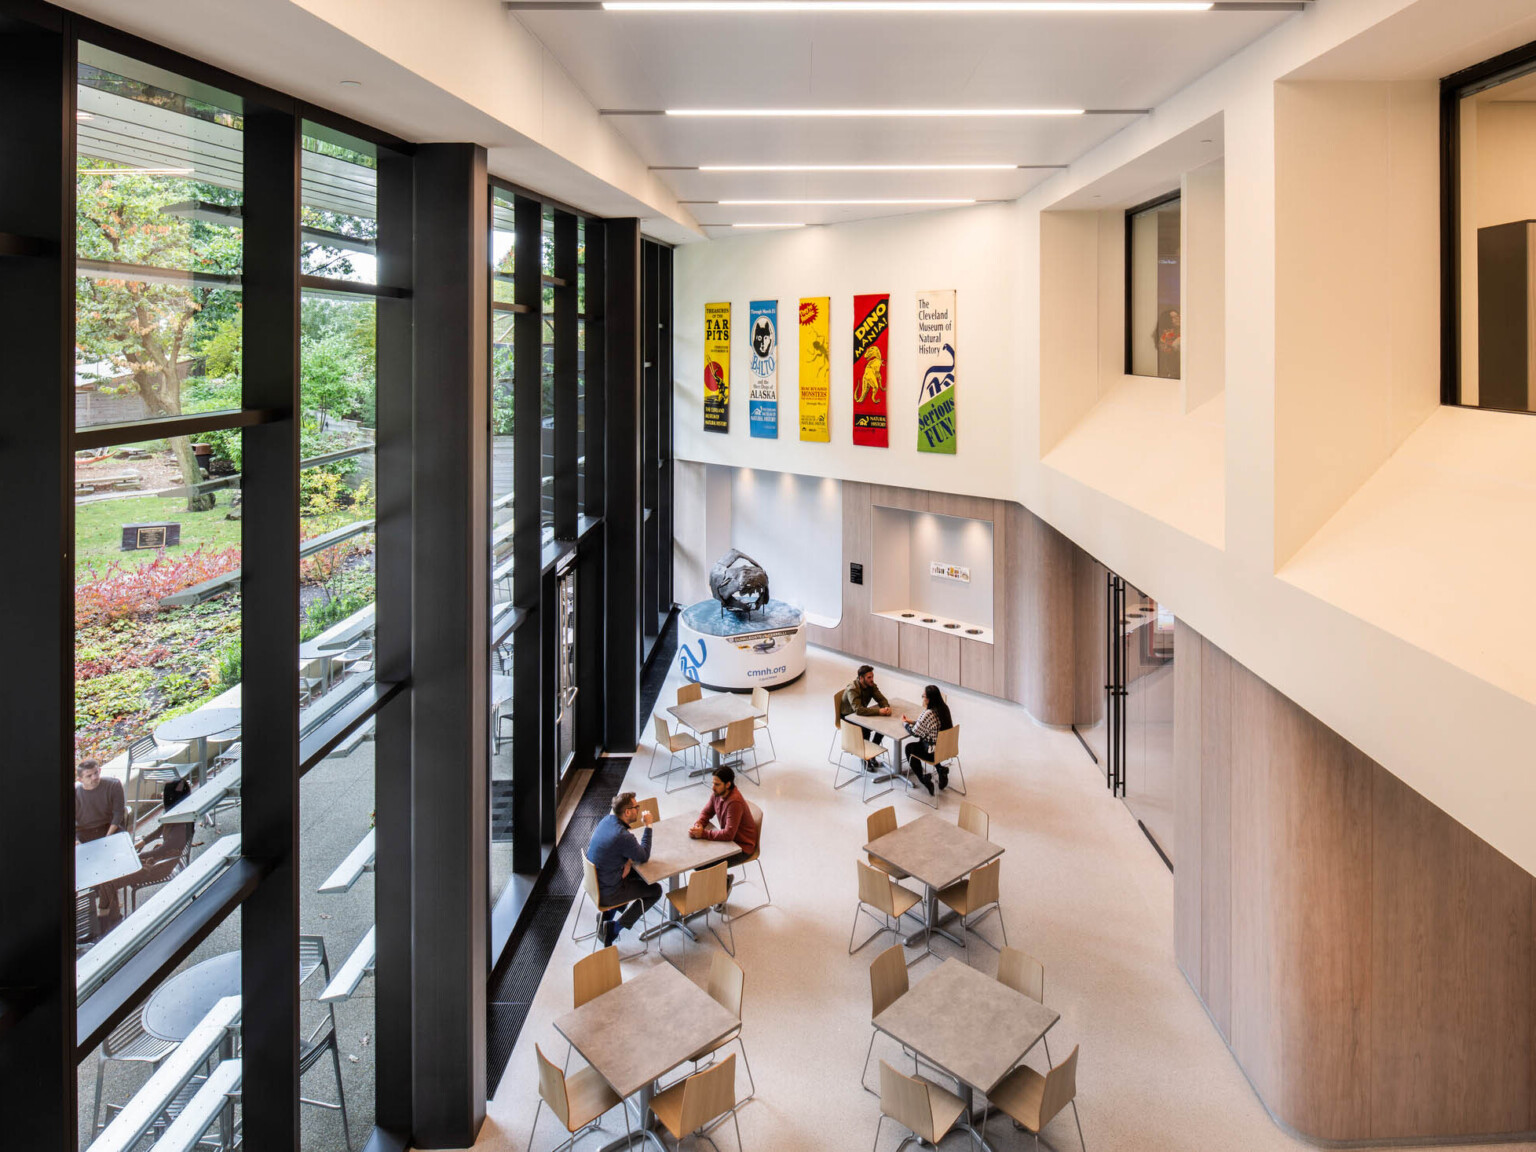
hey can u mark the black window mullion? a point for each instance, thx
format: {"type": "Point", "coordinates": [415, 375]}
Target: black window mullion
{"type": "Point", "coordinates": [565, 376]}
{"type": "Point", "coordinates": [664, 431]}
{"type": "Point", "coordinates": [270, 628]}
{"type": "Point", "coordinates": [596, 368]}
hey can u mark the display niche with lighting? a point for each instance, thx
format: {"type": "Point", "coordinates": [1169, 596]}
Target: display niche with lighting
{"type": "Point", "coordinates": [933, 571]}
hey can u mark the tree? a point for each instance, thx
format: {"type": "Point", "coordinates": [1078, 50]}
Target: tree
{"type": "Point", "coordinates": [145, 327]}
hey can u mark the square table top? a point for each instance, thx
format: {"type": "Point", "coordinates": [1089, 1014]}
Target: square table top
{"type": "Point", "coordinates": [712, 713]}
{"type": "Point", "coordinates": [108, 858]}
{"type": "Point", "coordinates": [890, 725]}
{"type": "Point", "coordinates": [674, 852]}
{"type": "Point", "coordinates": [967, 1023]}
{"type": "Point", "coordinates": [637, 1032]}
{"type": "Point", "coordinates": [934, 850]}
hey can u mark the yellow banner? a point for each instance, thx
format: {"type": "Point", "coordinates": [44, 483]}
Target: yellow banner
{"type": "Point", "coordinates": [717, 367]}
{"type": "Point", "coordinates": [816, 368]}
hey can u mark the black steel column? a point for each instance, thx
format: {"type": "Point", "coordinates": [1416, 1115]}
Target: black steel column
{"type": "Point", "coordinates": [450, 616]}
{"type": "Point", "coordinates": [549, 699]}
{"type": "Point", "coordinates": [597, 371]}
{"type": "Point", "coordinates": [565, 376]}
{"type": "Point", "coordinates": [664, 376]}
{"type": "Point", "coordinates": [392, 565]}
{"type": "Point", "coordinates": [622, 577]}
{"type": "Point", "coordinates": [37, 239]}
{"type": "Point", "coordinates": [650, 444]}
{"type": "Point", "coordinates": [529, 731]}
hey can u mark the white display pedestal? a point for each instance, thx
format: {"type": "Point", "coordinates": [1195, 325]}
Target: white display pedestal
{"type": "Point", "coordinates": [729, 653]}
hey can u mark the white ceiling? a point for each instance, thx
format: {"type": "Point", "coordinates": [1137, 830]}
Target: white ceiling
{"type": "Point", "coordinates": [631, 60]}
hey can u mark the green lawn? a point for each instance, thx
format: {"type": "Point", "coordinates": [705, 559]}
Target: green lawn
{"type": "Point", "coordinates": [99, 529]}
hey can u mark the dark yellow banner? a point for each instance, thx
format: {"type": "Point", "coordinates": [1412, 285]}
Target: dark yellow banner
{"type": "Point", "coordinates": [816, 368]}
{"type": "Point", "coordinates": [717, 367]}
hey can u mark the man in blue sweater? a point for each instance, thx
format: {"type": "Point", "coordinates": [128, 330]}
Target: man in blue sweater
{"type": "Point", "coordinates": [614, 852]}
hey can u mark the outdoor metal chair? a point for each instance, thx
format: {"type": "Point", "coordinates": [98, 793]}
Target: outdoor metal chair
{"type": "Point", "coordinates": [312, 959]}
{"type": "Point", "coordinates": [129, 1044]}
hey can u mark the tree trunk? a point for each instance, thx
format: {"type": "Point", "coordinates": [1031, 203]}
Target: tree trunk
{"type": "Point", "coordinates": [181, 447]}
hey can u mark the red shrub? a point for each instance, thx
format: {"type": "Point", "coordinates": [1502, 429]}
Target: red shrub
{"type": "Point", "coordinates": [122, 592]}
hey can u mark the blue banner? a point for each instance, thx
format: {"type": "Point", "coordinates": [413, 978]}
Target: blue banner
{"type": "Point", "coordinates": [763, 387]}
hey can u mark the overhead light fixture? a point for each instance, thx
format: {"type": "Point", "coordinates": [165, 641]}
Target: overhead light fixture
{"type": "Point", "coordinates": [133, 171]}
{"type": "Point", "coordinates": [861, 113]}
{"type": "Point", "coordinates": [787, 203]}
{"type": "Point", "coordinates": [856, 167]}
{"type": "Point", "coordinates": [1067, 6]}
{"type": "Point", "coordinates": [770, 224]}
{"type": "Point", "coordinates": [351, 83]}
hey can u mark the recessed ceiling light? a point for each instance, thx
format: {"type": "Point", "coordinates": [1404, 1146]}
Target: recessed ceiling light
{"type": "Point", "coordinates": [905, 6]}
{"type": "Point", "coordinates": [784, 203]}
{"type": "Point", "coordinates": [868, 112]}
{"type": "Point", "coordinates": [857, 167]}
{"type": "Point", "coordinates": [351, 83]}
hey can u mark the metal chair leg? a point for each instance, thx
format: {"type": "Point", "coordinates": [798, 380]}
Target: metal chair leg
{"type": "Point", "coordinates": [341, 1095]}
{"type": "Point", "coordinates": [878, 1123]}
{"type": "Point", "coordinates": [864, 1071]}
{"type": "Point", "coordinates": [1079, 1120]}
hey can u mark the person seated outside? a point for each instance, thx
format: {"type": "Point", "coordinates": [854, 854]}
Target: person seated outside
{"type": "Point", "coordinates": [614, 852]}
{"type": "Point", "coordinates": [101, 809]}
{"type": "Point", "coordinates": [863, 698]}
{"type": "Point", "coordinates": [925, 729]}
{"type": "Point", "coordinates": [728, 808]}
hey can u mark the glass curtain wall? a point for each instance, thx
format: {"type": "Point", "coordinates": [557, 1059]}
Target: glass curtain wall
{"type": "Point", "coordinates": [1153, 248]}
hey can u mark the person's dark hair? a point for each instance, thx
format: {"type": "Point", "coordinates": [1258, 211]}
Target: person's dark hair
{"type": "Point", "coordinates": [865, 670]}
{"type": "Point", "coordinates": [934, 699]}
{"type": "Point", "coordinates": [622, 801]}
{"type": "Point", "coordinates": [87, 765]}
{"type": "Point", "coordinates": [726, 775]}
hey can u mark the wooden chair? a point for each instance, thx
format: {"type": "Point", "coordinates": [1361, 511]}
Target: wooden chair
{"type": "Point", "coordinates": [754, 858]}
{"type": "Point", "coordinates": [887, 984]}
{"type": "Point", "coordinates": [760, 700]}
{"type": "Point", "coordinates": [591, 976]}
{"type": "Point", "coordinates": [1023, 973]}
{"type": "Point", "coordinates": [705, 889]}
{"type": "Point", "coordinates": [974, 820]}
{"type": "Point", "coordinates": [978, 892]}
{"type": "Point", "coordinates": [591, 890]}
{"type": "Point", "coordinates": [649, 804]}
{"type": "Point", "coordinates": [878, 823]}
{"type": "Point", "coordinates": [918, 1105]}
{"type": "Point", "coordinates": [854, 744]}
{"type": "Point", "coordinates": [738, 741]}
{"type": "Point", "coordinates": [678, 744]}
{"type": "Point", "coordinates": [688, 1107]}
{"type": "Point", "coordinates": [688, 693]}
{"type": "Point", "coordinates": [727, 983]}
{"type": "Point", "coordinates": [577, 1101]}
{"type": "Point", "coordinates": [1034, 1100]}
{"type": "Point", "coordinates": [884, 895]}
{"type": "Point", "coordinates": [837, 726]}
{"type": "Point", "coordinates": [946, 750]}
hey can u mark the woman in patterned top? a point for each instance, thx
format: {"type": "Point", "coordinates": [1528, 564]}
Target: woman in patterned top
{"type": "Point", "coordinates": [925, 728]}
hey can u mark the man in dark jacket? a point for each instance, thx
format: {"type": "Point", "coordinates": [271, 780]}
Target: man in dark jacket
{"type": "Point", "coordinates": [863, 698]}
{"type": "Point", "coordinates": [614, 852]}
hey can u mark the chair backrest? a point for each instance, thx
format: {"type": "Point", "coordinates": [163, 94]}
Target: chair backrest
{"type": "Point", "coordinates": [880, 822]}
{"type": "Point", "coordinates": [552, 1088]}
{"type": "Point", "coordinates": [143, 746]}
{"type": "Point", "coordinates": [649, 804]}
{"type": "Point", "coordinates": [757, 822]}
{"type": "Point", "coordinates": [707, 888]}
{"type": "Point", "coordinates": [905, 1100]}
{"type": "Point", "coordinates": [974, 820]}
{"type": "Point", "coordinates": [837, 708]}
{"type": "Point", "coordinates": [589, 881]}
{"type": "Point", "coordinates": [593, 975]}
{"type": "Point", "coordinates": [887, 979]}
{"type": "Point", "coordinates": [1060, 1088]}
{"type": "Point", "coordinates": [312, 955]}
{"type": "Point", "coordinates": [688, 693]}
{"type": "Point", "coordinates": [946, 745]}
{"type": "Point", "coordinates": [727, 982]}
{"type": "Point", "coordinates": [875, 889]}
{"type": "Point", "coordinates": [853, 739]}
{"type": "Point", "coordinates": [663, 732]}
{"type": "Point", "coordinates": [1021, 972]}
{"type": "Point", "coordinates": [982, 888]}
{"type": "Point", "coordinates": [707, 1094]}
{"type": "Point", "coordinates": [738, 735]}
{"type": "Point", "coordinates": [760, 698]}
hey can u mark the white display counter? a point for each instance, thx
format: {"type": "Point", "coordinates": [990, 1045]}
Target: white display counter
{"type": "Point", "coordinates": [727, 652]}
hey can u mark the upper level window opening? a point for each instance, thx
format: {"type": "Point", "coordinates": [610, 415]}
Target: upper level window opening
{"type": "Point", "coordinates": [1153, 288]}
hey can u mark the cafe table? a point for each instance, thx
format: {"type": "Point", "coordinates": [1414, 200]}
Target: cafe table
{"type": "Point", "coordinates": [636, 1033]}
{"type": "Point", "coordinates": [182, 1001]}
{"type": "Point", "coordinates": [710, 714]}
{"type": "Point", "coordinates": [199, 726]}
{"type": "Point", "coordinates": [970, 1026]}
{"type": "Point", "coordinates": [938, 853]}
{"type": "Point", "coordinates": [104, 859]}
{"type": "Point", "coordinates": [674, 854]}
{"type": "Point", "coordinates": [891, 727]}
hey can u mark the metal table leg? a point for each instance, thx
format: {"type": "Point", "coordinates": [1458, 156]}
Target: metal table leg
{"type": "Point", "coordinates": [673, 920]}
{"type": "Point", "coordinates": [640, 1102]}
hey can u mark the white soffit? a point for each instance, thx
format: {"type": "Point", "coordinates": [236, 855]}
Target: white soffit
{"type": "Point", "coordinates": [627, 61]}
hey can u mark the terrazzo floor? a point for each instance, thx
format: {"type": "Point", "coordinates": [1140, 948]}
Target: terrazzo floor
{"type": "Point", "coordinates": [1082, 890]}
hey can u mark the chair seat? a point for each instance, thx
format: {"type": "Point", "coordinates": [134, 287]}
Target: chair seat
{"type": "Point", "coordinates": [957, 896]}
{"type": "Point", "coordinates": [724, 746]}
{"type": "Point", "coordinates": [902, 899]}
{"type": "Point", "coordinates": [678, 897]}
{"type": "Point", "coordinates": [715, 1047]}
{"type": "Point", "coordinates": [946, 1106]}
{"type": "Point", "coordinates": [1020, 1095]}
{"type": "Point", "coordinates": [680, 741]}
{"type": "Point", "coordinates": [589, 1095]}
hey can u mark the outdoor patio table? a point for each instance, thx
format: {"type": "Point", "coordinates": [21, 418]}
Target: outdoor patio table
{"type": "Point", "coordinates": [968, 1024]}
{"type": "Point", "coordinates": [712, 714]}
{"type": "Point", "coordinates": [198, 726]}
{"type": "Point", "coordinates": [636, 1033]}
{"type": "Point", "coordinates": [674, 853]}
{"type": "Point", "coordinates": [938, 853]}
{"type": "Point", "coordinates": [104, 860]}
{"type": "Point", "coordinates": [183, 1000]}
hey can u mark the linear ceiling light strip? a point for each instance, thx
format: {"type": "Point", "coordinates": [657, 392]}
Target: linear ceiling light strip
{"type": "Point", "coordinates": [1067, 7]}
{"type": "Point", "coordinates": [849, 167]}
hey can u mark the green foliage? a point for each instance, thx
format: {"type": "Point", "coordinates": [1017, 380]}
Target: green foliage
{"type": "Point", "coordinates": [112, 697]}
{"type": "Point", "coordinates": [502, 422]}
{"type": "Point", "coordinates": [225, 671]}
{"type": "Point", "coordinates": [99, 530]}
{"type": "Point", "coordinates": [323, 613]}
{"type": "Point", "coordinates": [336, 376]}
{"type": "Point", "coordinates": [220, 346]}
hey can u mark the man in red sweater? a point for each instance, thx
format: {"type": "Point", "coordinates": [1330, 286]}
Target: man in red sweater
{"type": "Point", "coordinates": [728, 808]}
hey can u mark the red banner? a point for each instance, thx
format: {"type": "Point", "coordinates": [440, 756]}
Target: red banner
{"type": "Point", "coordinates": [871, 352]}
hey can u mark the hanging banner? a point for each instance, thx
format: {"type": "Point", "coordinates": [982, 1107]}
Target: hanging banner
{"type": "Point", "coordinates": [936, 364]}
{"type": "Point", "coordinates": [816, 368]}
{"type": "Point", "coordinates": [763, 388]}
{"type": "Point", "coordinates": [717, 367]}
{"type": "Point", "coordinates": [871, 350]}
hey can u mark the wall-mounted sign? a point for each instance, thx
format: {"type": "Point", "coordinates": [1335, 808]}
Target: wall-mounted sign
{"type": "Point", "coordinates": [936, 368]}
{"type": "Point", "coordinates": [855, 573]}
{"type": "Point", "coordinates": [871, 351]}
{"type": "Point", "coordinates": [763, 387]}
{"type": "Point", "coordinates": [136, 536]}
{"type": "Point", "coordinates": [816, 368]}
{"type": "Point", "coordinates": [717, 367]}
{"type": "Point", "coordinates": [949, 572]}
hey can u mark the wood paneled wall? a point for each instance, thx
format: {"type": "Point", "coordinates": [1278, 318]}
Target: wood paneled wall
{"type": "Point", "coordinates": [1370, 962]}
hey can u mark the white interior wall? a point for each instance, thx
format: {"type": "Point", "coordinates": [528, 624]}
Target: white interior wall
{"type": "Point", "coordinates": [953, 540]}
{"type": "Point", "coordinates": [792, 526]}
{"type": "Point", "coordinates": [890, 583]}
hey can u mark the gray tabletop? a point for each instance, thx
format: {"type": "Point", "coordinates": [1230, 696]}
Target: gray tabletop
{"type": "Point", "coordinates": [501, 689]}
{"type": "Point", "coordinates": [890, 725]}
{"type": "Point", "coordinates": [935, 851]}
{"type": "Point", "coordinates": [674, 852]}
{"type": "Point", "coordinates": [967, 1023]}
{"type": "Point", "coordinates": [108, 858]}
{"type": "Point", "coordinates": [197, 725]}
{"type": "Point", "coordinates": [712, 713]}
{"type": "Point", "coordinates": [182, 1001]}
{"type": "Point", "coordinates": [645, 1027]}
